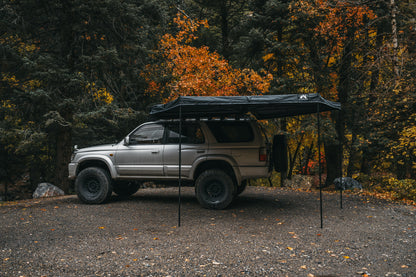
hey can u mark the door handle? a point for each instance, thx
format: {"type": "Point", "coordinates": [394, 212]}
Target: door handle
{"type": "Point", "coordinates": [200, 151]}
{"type": "Point", "coordinates": [155, 151]}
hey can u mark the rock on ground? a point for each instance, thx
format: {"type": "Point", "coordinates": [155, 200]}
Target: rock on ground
{"type": "Point", "coordinates": [47, 190]}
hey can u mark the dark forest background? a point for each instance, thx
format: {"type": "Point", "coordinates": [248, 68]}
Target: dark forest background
{"type": "Point", "coordinates": [78, 72]}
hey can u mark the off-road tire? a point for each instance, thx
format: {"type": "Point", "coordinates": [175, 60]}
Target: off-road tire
{"type": "Point", "coordinates": [126, 188]}
{"type": "Point", "coordinates": [214, 189]}
{"type": "Point", "coordinates": [93, 185]}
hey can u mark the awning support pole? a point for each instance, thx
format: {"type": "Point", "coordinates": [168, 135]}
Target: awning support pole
{"type": "Point", "coordinates": [319, 164]}
{"type": "Point", "coordinates": [180, 166]}
{"type": "Point", "coordinates": [341, 157]}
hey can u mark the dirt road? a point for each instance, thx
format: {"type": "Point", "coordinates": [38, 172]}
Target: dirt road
{"type": "Point", "coordinates": [266, 232]}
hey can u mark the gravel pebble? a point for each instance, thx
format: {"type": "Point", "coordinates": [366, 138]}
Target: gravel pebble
{"type": "Point", "coordinates": [265, 232]}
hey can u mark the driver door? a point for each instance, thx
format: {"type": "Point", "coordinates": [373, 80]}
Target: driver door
{"type": "Point", "coordinates": [143, 154]}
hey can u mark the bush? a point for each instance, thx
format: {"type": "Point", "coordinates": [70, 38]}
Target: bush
{"type": "Point", "coordinates": [402, 189]}
{"type": "Point", "coordinates": [399, 189]}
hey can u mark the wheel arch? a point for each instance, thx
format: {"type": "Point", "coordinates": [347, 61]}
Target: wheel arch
{"type": "Point", "coordinates": [101, 163]}
{"type": "Point", "coordinates": [221, 164]}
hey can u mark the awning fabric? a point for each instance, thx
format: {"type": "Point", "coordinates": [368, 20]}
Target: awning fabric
{"type": "Point", "coordinates": [261, 106]}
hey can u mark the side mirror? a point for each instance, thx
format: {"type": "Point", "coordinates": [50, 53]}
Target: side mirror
{"type": "Point", "coordinates": [126, 141]}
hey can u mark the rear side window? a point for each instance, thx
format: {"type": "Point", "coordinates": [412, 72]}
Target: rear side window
{"type": "Point", "coordinates": [231, 131]}
{"type": "Point", "coordinates": [191, 133]}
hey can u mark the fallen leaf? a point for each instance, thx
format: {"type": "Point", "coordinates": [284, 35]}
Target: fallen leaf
{"type": "Point", "coordinates": [155, 238]}
{"type": "Point", "coordinates": [404, 266]}
{"type": "Point", "coordinates": [101, 227]}
{"type": "Point", "coordinates": [303, 267]}
{"type": "Point", "coordinates": [346, 257]}
{"type": "Point", "coordinates": [290, 248]}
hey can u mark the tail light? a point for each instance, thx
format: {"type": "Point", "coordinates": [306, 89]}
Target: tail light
{"type": "Point", "coordinates": [262, 154]}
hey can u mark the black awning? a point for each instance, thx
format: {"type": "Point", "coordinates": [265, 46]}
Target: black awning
{"type": "Point", "coordinates": [261, 106]}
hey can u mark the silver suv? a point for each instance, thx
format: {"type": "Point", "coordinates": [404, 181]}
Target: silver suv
{"type": "Point", "coordinates": [217, 157]}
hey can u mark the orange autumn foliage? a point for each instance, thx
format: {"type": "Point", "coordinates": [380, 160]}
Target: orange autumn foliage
{"type": "Point", "coordinates": [337, 17]}
{"type": "Point", "coordinates": [196, 71]}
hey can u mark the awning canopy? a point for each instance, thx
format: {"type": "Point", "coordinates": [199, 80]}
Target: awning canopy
{"type": "Point", "coordinates": [261, 106]}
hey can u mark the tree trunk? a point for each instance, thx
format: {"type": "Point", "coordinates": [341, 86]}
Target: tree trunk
{"type": "Point", "coordinates": [332, 157]}
{"type": "Point", "coordinates": [224, 29]}
{"type": "Point", "coordinates": [395, 43]}
{"type": "Point", "coordinates": [63, 157]}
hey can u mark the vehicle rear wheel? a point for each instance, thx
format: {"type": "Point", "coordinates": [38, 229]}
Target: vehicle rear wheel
{"type": "Point", "coordinates": [93, 185]}
{"type": "Point", "coordinates": [126, 188]}
{"type": "Point", "coordinates": [214, 189]}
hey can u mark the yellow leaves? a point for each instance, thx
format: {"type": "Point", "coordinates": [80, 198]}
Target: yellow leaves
{"type": "Point", "coordinates": [19, 45]}
{"type": "Point", "coordinates": [27, 85]}
{"type": "Point", "coordinates": [89, 37]}
{"type": "Point", "coordinates": [346, 257]}
{"type": "Point", "coordinates": [99, 94]}
{"type": "Point", "coordinates": [101, 227]}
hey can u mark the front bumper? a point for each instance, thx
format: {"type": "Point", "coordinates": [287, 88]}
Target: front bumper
{"type": "Point", "coordinates": [72, 170]}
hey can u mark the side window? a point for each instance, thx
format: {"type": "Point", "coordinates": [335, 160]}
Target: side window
{"type": "Point", "coordinates": [148, 134]}
{"type": "Point", "coordinates": [229, 132]}
{"type": "Point", "coordinates": [191, 133]}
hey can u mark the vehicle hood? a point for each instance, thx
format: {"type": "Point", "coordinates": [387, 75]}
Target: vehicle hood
{"type": "Point", "coordinates": [105, 147]}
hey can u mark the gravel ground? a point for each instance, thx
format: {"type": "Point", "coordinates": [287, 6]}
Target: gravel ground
{"type": "Point", "coordinates": [266, 232]}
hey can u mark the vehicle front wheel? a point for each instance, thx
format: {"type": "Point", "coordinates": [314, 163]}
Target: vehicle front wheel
{"type": "Point", "coordinates": [93, 185]}
{"type": "Point", "coordinates": [126, 188]}
{"type": "Point", "coordinates": [214, 189]}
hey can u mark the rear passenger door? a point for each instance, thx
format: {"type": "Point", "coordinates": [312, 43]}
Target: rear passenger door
{"type": "Point", "coordinates": [194, 146]}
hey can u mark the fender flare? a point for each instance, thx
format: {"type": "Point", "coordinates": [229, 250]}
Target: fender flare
{"type": "Point", "coordinates": [99, 158]}
{"type": "Point", "coordinates": [227, 159]}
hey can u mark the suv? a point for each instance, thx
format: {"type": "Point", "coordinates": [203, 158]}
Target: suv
{"type": "Point", "coordinates": [217, 157]}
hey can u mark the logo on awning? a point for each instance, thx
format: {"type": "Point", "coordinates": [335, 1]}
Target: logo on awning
{"type": "Point", "coordinates": [303, 97]}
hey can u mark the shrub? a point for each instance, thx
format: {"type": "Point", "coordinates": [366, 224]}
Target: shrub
{"type": "Point", "coordinates": [402, 189]}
